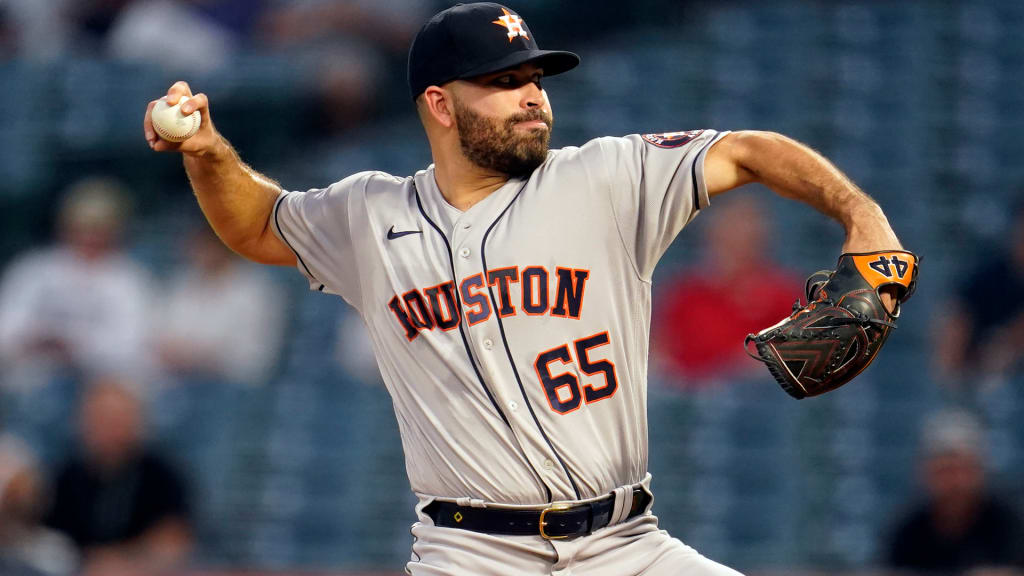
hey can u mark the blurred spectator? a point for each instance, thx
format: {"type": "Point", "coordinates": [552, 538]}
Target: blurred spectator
{"type": "Point", "coordinates": [173, 34]}
{"type": "Point", "coordinates": [961, 525]}
{"type": "Point", "coordinates": [92, 21]}
{"type": "Point", "coordinates": [736, 289]}
{"type": "Point", "coordinates": [222, 318]}
{"type": "Point", "coordinates": [79, 307]}
{"type": "Point", "coordinates": [239, 16]}
{"type": "Point", "coordinates": [124, 506]}
{"type": "Point", "coordinates": [33, 30]}
{"type": "Point", "coordinates": [345, 49]}
{"type": "Point", "coordinates": [982, 335]}
{"type": "Point", "coordinates": [26, 546]}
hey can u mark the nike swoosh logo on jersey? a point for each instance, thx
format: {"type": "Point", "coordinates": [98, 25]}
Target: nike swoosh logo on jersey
{"type": "Point", "coordinates": [392, 234]}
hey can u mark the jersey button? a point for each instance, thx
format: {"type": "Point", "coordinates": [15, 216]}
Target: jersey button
{"type": "Point", "coordinates": [488, 344]}
{"type": "Point", "coordinates": [467, 226]}
{"type": "Point", "coordinates": [513, 405]}
{"type": "Point", "coordinates": [464, 252]}
{"type": "Point", "coordinates": [548, 465]}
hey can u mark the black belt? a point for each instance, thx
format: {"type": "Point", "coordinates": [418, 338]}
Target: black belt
{"type": "Point", "coordinates": [554, 522]}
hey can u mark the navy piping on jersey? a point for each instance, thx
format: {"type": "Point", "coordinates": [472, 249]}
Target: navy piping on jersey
{"type": "Point", "coordinates": [693, 174]}
{"type": "Point", "coordinates": [458, 306]}
{"type": "Point", "coordinates": [288, 244]}
{"type": "Point", "coordinates": [462, 331]}
{"type": "Point", "coordinates": [508, 351]}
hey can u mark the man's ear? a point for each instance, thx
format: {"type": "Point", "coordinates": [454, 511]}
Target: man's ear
{"type": "Point", "coordinates": [439, 105]}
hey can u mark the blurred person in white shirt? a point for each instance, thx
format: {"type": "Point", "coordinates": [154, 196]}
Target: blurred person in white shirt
{"type": "Point", "coordinates": [81, 306]}
{"type": "Point", "coordinates": [221, 318]}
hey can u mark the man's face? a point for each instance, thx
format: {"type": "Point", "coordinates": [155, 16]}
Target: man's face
{"type": "Point", "coordinates": [111, 423]}
{"type": "Point", "coordinates": [504, 120]}
{"type": "Point", "coordinates": [954, 478]}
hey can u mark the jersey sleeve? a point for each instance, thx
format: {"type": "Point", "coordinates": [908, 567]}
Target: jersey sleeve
{"type": "Point", "coordinates": [656, 183]}
{"type": "Point", "coordinates": [317, 226]}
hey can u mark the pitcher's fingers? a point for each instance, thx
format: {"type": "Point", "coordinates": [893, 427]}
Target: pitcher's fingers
{"type": "Point", "coordinates": [162, 145]}
{"type": "Point", "coordinates": [147, 124]}
{"type": "Point", "coordinates": [198, 102]}
{"type": "Point", "coordinates": [176, 91]}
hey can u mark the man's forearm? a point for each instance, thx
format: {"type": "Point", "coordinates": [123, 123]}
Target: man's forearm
{"type": "Point", "coordinates": [237, 201]}
{"type": "Point", "coordinates": [798, 172]}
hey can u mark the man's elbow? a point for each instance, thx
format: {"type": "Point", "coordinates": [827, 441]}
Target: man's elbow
{"type": "Point", "coordinates": [749, 145]}
{"type": "Point", "coordinates": [738, 159]}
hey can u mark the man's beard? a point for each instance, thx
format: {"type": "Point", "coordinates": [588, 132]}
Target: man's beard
{"type": "Point", "coordinates": [496, 145]}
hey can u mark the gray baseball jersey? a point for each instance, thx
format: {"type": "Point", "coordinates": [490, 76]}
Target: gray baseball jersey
{"type": "Point", "coordinates": [513, 336]}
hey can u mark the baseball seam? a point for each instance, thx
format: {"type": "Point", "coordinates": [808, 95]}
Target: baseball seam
{"type": "Point", "coordinates": [176, 137]}
{"type": "Point", "coordinates": [182, 135]}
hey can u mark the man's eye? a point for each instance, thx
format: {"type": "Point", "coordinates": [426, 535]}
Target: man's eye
{"type": "Point", "coordinates": [503, 81]}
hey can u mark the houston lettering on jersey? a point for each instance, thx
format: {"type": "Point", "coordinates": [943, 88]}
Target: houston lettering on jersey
{"type": "Point", "coordinates": [528, 290]}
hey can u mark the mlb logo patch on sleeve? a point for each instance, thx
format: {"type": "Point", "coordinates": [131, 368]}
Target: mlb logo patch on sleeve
{"type": "Point", "coordinates": [671, 139]}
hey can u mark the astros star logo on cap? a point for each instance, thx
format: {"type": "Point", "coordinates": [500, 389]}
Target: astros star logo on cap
{"type": "Point", "coordinates": [513, 23]}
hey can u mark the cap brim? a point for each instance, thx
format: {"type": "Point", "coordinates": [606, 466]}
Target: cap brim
{"type": "Point", "coordinates": [552, 61]}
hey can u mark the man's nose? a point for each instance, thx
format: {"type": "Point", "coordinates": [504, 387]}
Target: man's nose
{"type": "Point", "coordinates": [533, 96]}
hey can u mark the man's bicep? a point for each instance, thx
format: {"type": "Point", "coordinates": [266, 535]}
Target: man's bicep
{"type": "Point", "coordinates": [723, 166]}
{"type": "Point", "coordinates": [272, 250]}
{"type": "Point", "coordinates": [264, 247]}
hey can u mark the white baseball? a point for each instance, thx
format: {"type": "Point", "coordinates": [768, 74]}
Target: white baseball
{"type": "Point", "coordinates": [170, 124]}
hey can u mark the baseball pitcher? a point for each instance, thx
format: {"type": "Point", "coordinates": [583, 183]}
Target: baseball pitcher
{"type": "Point", "coordinates": [507, 292]}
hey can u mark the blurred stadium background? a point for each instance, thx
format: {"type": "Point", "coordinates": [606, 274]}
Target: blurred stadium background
{"type": "Point", "coordinates": [919, 102]}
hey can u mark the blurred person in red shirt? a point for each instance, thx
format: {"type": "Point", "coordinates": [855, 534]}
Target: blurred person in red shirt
{"type": "Point", "coordinates": [708, 309]}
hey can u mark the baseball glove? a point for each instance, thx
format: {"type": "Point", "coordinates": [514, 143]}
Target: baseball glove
{"type": "Point", "coordinates": [837, 334]}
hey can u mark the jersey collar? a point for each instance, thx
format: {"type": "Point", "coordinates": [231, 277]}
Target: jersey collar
{"type": "Point", "coordinates": [447, 216]}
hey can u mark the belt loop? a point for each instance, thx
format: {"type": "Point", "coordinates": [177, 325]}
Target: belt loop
{"type": "Point", "coordinates": [646, 487]}
{"type": "Point", "coordinates": [623, 502]}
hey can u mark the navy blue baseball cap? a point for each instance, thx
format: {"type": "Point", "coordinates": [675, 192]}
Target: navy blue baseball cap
{"type": "Point", "coordinates": [470, 40]}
